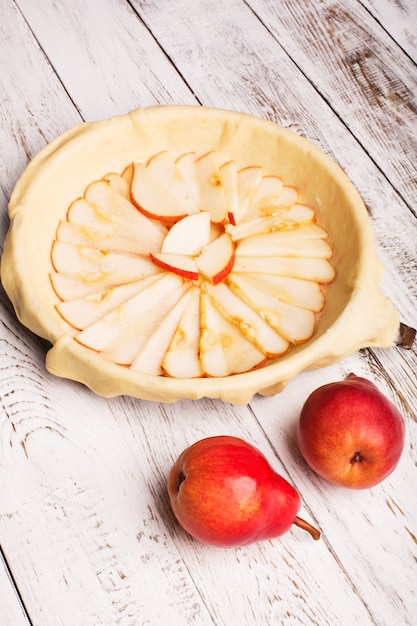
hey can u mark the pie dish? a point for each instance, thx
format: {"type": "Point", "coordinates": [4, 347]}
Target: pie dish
{"type": "Point", "coordinates": [356, 313]}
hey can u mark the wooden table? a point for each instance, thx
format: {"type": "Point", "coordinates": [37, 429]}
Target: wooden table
{"type": "Point", "coordinates": [87, 536]}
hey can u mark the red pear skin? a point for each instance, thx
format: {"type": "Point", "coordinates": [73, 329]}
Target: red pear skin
{"type": "Point", "coordinates": [223, 492]}
{"type": "Point", "coordinates": [350, 433]}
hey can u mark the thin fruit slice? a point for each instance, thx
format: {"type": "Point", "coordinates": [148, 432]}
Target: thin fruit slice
{"type": "Point", "coordinates": [212, 197]}
{"type": "Point", "coordinates": [150, 356]}
{"type": "Point", "coordinates": [120, 334]}
{"type": "Point", "coordinates": [305, 294]}
{"type": "Point", "coordinates": [120, 184]}
{"type": "Point", "coordinates": [253, 327]}
{"type": "Point", "coordinates": [182, 358]}
{"type": "Point", "coordinates": [284, 218]}
{"type": "Point", "coordinates": [318, 270]}
{"type": "Point", "coordinates": [224, 350]}
{"type": "Point", "coordinates": [217, 258]}
{"type": "Point", "coordinates": [181, 264]}
{"type": "Point", "coordinates": [118, 217]}
{"type": "Point", "coordinates": [284, 243]}
{"type": "Point", "coordinates": [153, 198]}
{"type": "Point", "coordinates": [229, 177]}
{"type": "Point", "coordinates": [164, 168]}
{"type": "Point", "coordinates": [110, 223]}
{"type": "Point", "coordinates": [216, 230]}
{"type": "Point", "coordinates": [84, 311]}
{"type": "Point", "coordinates": [292, 322]}
{"type": "Point", "coordinates": [249, 179]}
{"type": "Point", "coordinates": [186, 164]}
{"type": "Point", "coordinates": [89, 236]}
{"type": "Point", "coordinates": [115, 206]}
{"type": "Point", "coordinates": [71, 258]}
{"type": "Point", "coordinates": [127, 175]}
{"type": "Point", "coordinates": [188, 235]}
{"type": "Point", "coordinates": [265, 199]}
{"type": "Point", "coordinates": [72, 286]}
{"type": "Point", "coordinates": [132, 338]}
{"type": "Point", "coordinates": [254, 244]}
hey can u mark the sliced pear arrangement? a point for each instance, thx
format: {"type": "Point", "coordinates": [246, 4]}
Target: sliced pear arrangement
{"type": "Point", "coordinates": [185, 266]}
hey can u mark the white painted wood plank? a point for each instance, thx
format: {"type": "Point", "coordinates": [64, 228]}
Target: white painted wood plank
{"type": "Point", "coordinates": [356, 562]}
{"type": "Point", "coordinates": [399, 19]}
{"type": "Point", "coordinates": [240, 67]}
{"type": "Point", "coordinates": [105, 56]}
{"type": "Point", "coordinates": [11, 610]}
{"type": "Point", "coordinates": [78, 515]}
{"type": "Point", "coordinates": [88, 522]}
{"type": "Point", "coordinates": [371, 531]}
{"type": "Point", "coordinates": [27, 87]}
{"type": "Point", "coordinates": [360, 72]}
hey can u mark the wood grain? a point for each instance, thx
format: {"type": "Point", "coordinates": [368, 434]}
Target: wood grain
{"type": "Point", "coordinates": [399, 18]}
{"type": "Point", "coordinates": [12, 612]}
{"type": "Point", "coordinates": [85, 522]}
{"type": "Point", "coordinates": [354, 65]}
{"type": "Point", "coordinates": [111, 68]}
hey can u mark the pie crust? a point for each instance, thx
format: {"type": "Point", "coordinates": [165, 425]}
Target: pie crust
{"type": "Point", "coordinates": [357, 314]}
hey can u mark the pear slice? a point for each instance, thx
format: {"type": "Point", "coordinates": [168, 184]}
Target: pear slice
{"type": "Point", "coordinates": [182, 358]}
{"type": "Point", "coordinates": [120, 184]}
{"type": "Point", "coordinates": [212, 198]}
{"type": "Point", "coordinates": [127, 175]}
{"type": "Point", "coordinates": [150, 356]}
{"type": "Point", "coordinates": [84, 311]}
{"type": "Point", "coordinates": [318, 270]}
{"type": "Point", "coordinates": [112, 241]}
{"type": "Point", "coordinates": [305, 294]}
{"type": "Point", "coordinates": [188, 235]}
{"type": "Point", "coordinates": [229, 177]}
{"type": "Point", "coordinates": [294, 323]}
{"type": "Point", "coordinates": [115, 206]}
{"type": "Point", "coordinates": [72, 285]}
{"type": "Point", "coordinates": [109, 212]}
{"type": "Point", "coordinates": [181, 264]}
{"type": "Point", "coordinates": [71, 258]}
{"type": "Point", "coordinates": [127, 345]}
{"type": "Point", "coordinates": [186, 164]}
{"type": "Point", "coordinates": [285, 243]}
{"type": "Point", "coordinates": [284, 215]}
{"type": "Point", "coordinates": [164, 168]}
{"type": "Point", "coordinates": [217, 258]}
{"type": "Point", "coordinates": [249, 179]}
{"type": "Point", "coordinates": [253, 327]}
{"type": "Point", "coordinates": [265, 199]}
{"type": "Point", "coordinates": [224, 350]}
{"type": "Point", "coordinates": [151, 196]}
{"type": "Point", "coordinates": [256, 244]}
{"type": "Point", "coordinates": [268, 192]}
{"type": "Point", "coordinates": [110, 223]}
{"type": "Point", "coordinates": [120, 334]}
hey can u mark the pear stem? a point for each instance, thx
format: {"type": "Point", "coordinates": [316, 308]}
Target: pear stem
{"type": "Point", "coordinates": [301, 523]}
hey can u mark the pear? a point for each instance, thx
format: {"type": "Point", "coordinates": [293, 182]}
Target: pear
{"type": "Point", "coordinates": [224, 493]}
{"type": "Point", "coordinates": [350, 433]}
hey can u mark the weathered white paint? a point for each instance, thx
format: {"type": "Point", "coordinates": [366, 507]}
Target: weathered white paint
{"type": "Point", "coordinates": [84, 517]}
{"type": "Point", "coordinates": [11, 612]}
{"type": "Point", "coordinates": [399, 19]}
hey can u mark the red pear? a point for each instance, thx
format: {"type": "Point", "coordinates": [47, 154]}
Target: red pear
{"type": "Point", "coordinates": [350, 433]}
{"type": "Point", "coordinates": [224, 493]}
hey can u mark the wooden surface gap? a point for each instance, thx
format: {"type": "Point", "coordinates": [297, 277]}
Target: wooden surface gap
{"type": "Point", "coordinates": [19, 605]}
